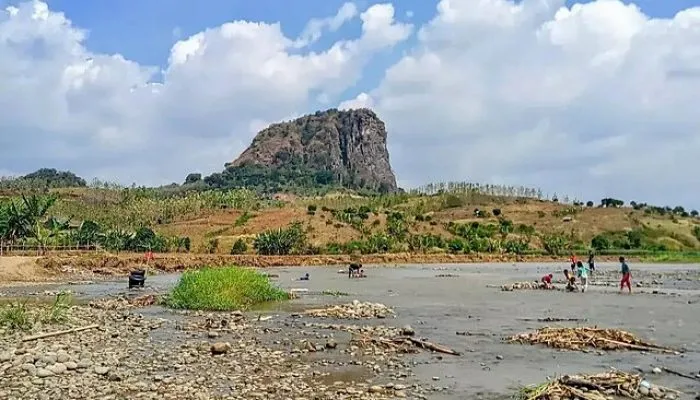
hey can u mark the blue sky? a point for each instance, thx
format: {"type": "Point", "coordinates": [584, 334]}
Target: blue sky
{"type": "Point", "coordinates": [145, 30]}
{"type": "Point", "coordinates": [453, 105]}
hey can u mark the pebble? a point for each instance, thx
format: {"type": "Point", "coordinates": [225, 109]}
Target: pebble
{"type": "Point", "coordinates": [374, 389]}
{"type": "Point", "coordinates": [656, 370]}
{"type": "Point", "coordinates": [101, 370]}
{"type": "Point", "coordinates": [220, 348]}
{"type": "Point", "coordinates": [44, 373]}
{"type": "Point", "coordinates": [57, 368]}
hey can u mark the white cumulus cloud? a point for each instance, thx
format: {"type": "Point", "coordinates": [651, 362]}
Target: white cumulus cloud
{"type": "Point", "coordinates": [63, 106]}
{"type": "Point", "coordinates": [590, 99]}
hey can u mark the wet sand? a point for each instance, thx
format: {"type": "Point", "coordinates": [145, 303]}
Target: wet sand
{"type": "Point", "coordinates": [438, 307]}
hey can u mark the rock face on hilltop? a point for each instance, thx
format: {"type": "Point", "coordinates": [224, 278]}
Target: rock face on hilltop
{"type": "Point", "coordinates": [347, 148]}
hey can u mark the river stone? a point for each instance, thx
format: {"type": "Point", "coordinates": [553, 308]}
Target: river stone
{"type": "Point", "coordinates": [57, 368]}
{"type": "Point", "coordinates": [644, 391]}
{"type": "Point", "coordinates": [375, 389]}
{"type": "Point", "coordinates": [6, 356]}
{"type": "Point", "coordinates": [49, 358]}
{"type": "Point", "coordinates": [62, 357]}
{"type": "Point", "coordinates": [220, 348]}
{"type": "Point", "coordinates": [44, 373]}
{"type": "Point", "coordinates": [83, 364]}
{"type": "Point", "coordinates": [408, 331]}
{"type": "Point", "coordinates": [30, 368]}
{"type": "Point", "coordinates": [70, 365]}
{"type": "Point", "coordinates": [101, 370]}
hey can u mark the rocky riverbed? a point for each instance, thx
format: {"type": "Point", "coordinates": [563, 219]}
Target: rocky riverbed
{"type": "Point", "coordinates": [194, 355]}
{"type": "Point", "coordinates": [346, 349]}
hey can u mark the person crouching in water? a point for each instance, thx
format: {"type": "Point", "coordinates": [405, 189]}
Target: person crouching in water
{"type": "Point", "coordinates": [582, 272]}
{"type": "Point", "coordinates": [547, 281]}
{"type": "Point", "coordinates": [354, 269]}
{"type": "Point", "coordinates": [570, 281]}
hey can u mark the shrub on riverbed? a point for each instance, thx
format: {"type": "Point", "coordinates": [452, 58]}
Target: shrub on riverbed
{"type": "Point", "coordinates": [222, 289]}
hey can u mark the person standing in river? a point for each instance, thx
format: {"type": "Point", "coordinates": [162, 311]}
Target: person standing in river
{"type": "Point", "coordinates": [582, 273]}
{"type": "Point", "coordinates": [572, 260]}
{"type": "Point", "coordinates": [626, 276]}
{"type": "Point", "coordinates": [591, 262]}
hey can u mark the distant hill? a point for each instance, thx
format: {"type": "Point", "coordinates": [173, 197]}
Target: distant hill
{"type": "Point", "coordinates": [45, 178]}
{"type": "Point", "coordinates": [333, 148]}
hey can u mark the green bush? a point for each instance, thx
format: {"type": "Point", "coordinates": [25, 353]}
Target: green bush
{"type": "Point", "coordinates": [239, 247]}
{"type": "Point", "coordinates": [243, 219]}
{"type": "Point", "coordinates": [311, 208]}
{"type": "Point", "coordinates": [223, 289]}
{"type": "Point", "coordinates": [600, 242]}
{"type": "Point", "coordinates": [282, 241]}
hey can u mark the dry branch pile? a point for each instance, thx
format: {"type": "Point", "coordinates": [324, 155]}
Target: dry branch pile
{"type": "Point", "coordinates": [354, 310]}
{"type": "Point", "coordinates": [509, 287]}
{"type": "Point", "coordinates": [596, 387]}
{"type": "Point", "coordinates": [400, 344]}
{"type": "Point", "coordinates": [583, 337]}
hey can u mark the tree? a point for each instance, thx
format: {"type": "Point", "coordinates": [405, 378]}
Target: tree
{"type": "Point", "coordinates": [589, 203]}
{"type": "Point", "coordinates": [239, 247]}
{"type": "Point", "coordinates": [496, 212]}
{"type": "Point", "coordinates": [600, 242]}
{"type": "Point", "coordinates": [193, 178]}
{"type": "Point", "coordinates": [694, 213]}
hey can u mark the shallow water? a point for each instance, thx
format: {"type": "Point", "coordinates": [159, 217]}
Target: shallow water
{"type": "Point", "coordinates": [438, 307]}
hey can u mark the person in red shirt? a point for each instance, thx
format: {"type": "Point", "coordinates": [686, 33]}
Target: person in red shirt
{"type": "Point", "coordinates": [149, 256]}
{"type": "Point", "coordinates": [573, 261]}
{"type": "Point", "coordinates": [547, 281]}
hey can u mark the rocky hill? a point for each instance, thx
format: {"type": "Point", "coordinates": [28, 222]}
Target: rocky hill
{"type": "Point", "coordinates": [342, 148]}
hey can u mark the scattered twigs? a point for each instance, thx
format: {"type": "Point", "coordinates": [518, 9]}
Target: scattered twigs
{"type": "Point", "coordinates": [401, 344]}
{"type": "Point", "coordinates": [468, 333]}
{"type": "Point", "coordinates": [678, 373]}
{"type": "Point", "coordinates": [586, 337]}
{"type": "Point", "coordinates": [432, 346]}
{"type": "Point", "coordinates": [554, 319]}
{"type": "Point", "coordinates": [594, 387]}
{"type": "Point", "coordinates": [58, 333]}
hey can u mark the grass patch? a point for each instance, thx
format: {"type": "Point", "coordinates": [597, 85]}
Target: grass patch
{"type": "Point", "coordinates": [16, 316]}
{"type": "Point", "coordinates": [223, 289]}
{"type": "Point", "coordinates": [243, 219]}
{"type": "Point", "coordinates": [672, 257]}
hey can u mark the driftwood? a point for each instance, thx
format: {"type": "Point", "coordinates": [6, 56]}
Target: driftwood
{"type": "Point", "coordinates": [587, 337]}
{"type": "Point", "coordinates": [432, 346]}
{"type": "Point", "coordinates": [403, 344]}
{"type": "Point", "coordinates": [678, 373]}
{"type": "Point", "coordinates": [58, 333]}
{"type": "Point", "coordinates": [590, 387]}
{"type": "Point", "coordinates": [468, 333]}
{"type": "Point", "coordinates": [580, 382]}
{"type": "Point", "coordinates": [554, 319]}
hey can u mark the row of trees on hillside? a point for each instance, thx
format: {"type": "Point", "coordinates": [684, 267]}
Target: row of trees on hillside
{"type": "Point", "coordinates": [26, 221]}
